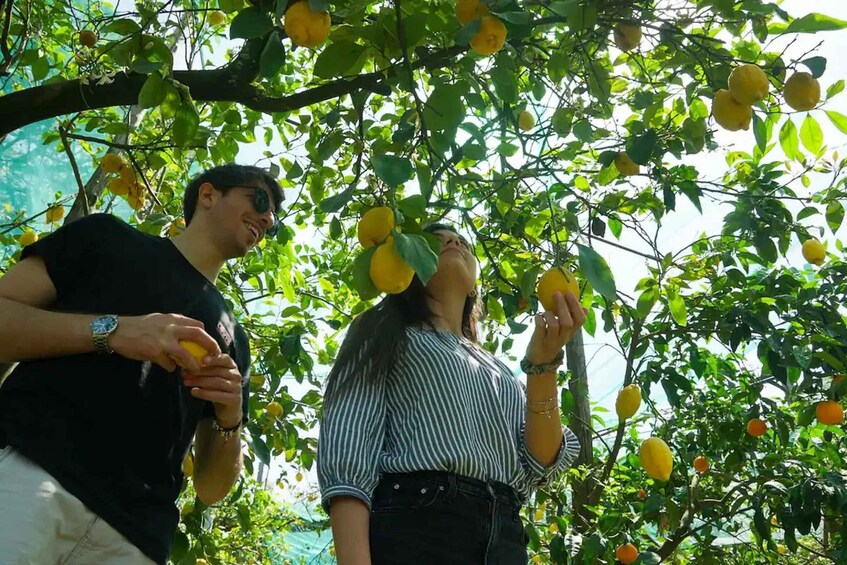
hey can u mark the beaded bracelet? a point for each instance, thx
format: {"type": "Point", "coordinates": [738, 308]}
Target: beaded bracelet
{"type": "Point", "coordinates": [532, 370]}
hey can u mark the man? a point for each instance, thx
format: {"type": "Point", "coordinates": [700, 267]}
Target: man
{"type": "Point", "coordinates": [96, 418]}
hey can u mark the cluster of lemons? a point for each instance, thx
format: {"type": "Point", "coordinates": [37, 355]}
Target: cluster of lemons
{"type": "Point", "coordinates": [126, 183]}
{"type": "Point", "coordinates": [748, 84]}
{"type": "Point", "coordinates": [389, 272]}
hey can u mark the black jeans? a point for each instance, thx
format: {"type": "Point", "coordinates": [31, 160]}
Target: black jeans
{"type": "Point", "coordinates": [436, 518]}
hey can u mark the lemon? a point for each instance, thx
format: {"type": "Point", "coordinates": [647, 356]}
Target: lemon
{"type": "Point", "coordinates": [802, 91]}
{"type": "Point", "coordinates": [305, 27]}
{"type": "Point", "coordinates": [88, 38]}
{"type": "Point", "coordinates": [55, 213]}
{"type": "Point", "coordinates": [176, 227]}
{"type": "Point", "coordinates": [27, 238]}
{"type": "Point", "coordinates": [274, 409]}
{"type": "Point", "coordinates": [111, 163]}
{"type": "Point", "coordinates": [626, 553]}
{"type": "Point", "coordinates": [118, 186]}
{"type": "Point", "coordinates": [701, 464]}
{"type": "Point", "coordinates": [217, 18]}
{"type": "Point", "coordinates": [813, 252]}
{"type": "Point", "coordinates": [491, 36]}
{"type": "Point", "coordinates": [556, 279]}
{"type": "Point", "coordinates": [526, 121]}
{"type": "Point", "coordinates": [627, 36]}
{"type": "Point", "coordinates": [375, 226]}
{"type": "Point", "coordinates": [196, 350]}
{"type": "Point", "coordinates": [469, 10]}
{"type": "Point", "coordinates": [389, 273]}
{"type": "Point", "coordinates": [188, 466]}
{"type": "Point", "coordinates": [554, 527]}
{"type": "Point", "coordinates": [626, 166]}
{"type": "Point", "coordinates": [756, 427]}
{"type": "Point", "coordinates": [829, 412]}
{"type": "Point", "coordinates": [729, 114]}
{"type": "Point", "coordinates": [656, 458]}
{"type": "Point", "coordinates": [628, 401]}
{"type": "Point", "coordinates": [748, 84]}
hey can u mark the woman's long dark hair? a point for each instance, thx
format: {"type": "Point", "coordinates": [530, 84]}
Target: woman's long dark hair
{"type": "Point", "coordinates": [378, 335]}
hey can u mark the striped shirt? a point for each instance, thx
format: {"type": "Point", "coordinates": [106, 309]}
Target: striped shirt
{"type": "Point", "coordinates": [446, 406]}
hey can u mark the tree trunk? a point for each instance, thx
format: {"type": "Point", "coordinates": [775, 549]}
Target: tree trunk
{"type": "Point", "coordinates": [580, 424]}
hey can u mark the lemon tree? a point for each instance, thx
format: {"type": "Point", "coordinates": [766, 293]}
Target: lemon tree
{"type": "Point", "coordinates": [557, 135]}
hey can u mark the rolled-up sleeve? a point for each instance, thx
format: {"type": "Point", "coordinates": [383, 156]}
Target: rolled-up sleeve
{"type": "Point", "coordinates": [351, 436]}
{"type": "Point", "coordinates": [540, 475]}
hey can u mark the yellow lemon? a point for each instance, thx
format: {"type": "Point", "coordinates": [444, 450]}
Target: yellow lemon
{"type": "Point", "coordinates": [748, 84]}
{"type": "Point", "coordinates": [628, 401]}
{"type": "Point", "coordinates": [305, 27]}
{"type": "Point", "coordinates": [111, 163]}
{"type": "Point", "coordinates": [176, 227]}
{"type": "Point", "coordinates": [469, 10]}
{"type": "Point", "coordinates": [196, 350]}
{"type": "Point", "coordinates": [274, 409]}
{"type": "Point", "coordinates": [298, 477]}
{"type": "Point", "coordinates": [626, 166]}
{"type": "Point", "coordinates": [217, 18]}
{"type": "Point", "coordinates": [829, 412]}
{"type": "Point", "coordinates": [802, 91]}
{"type": "Point", "coordinates": [526, 121]}
{"type": "Point", "coordinates": [389, 273]}
{"type": "Point", "coordinates": [554, 527]}
{"type": "Point", "coordinates": [627, 36]}
{"type": "Point", "coordinates": [188, 466]}
{"type": "Point", "coordinates": [88, 38]}
{"type": "Point", "coordinates": [813, 252]}
{"type": "Point", "coordinates": [729, 114]}
{"type": "Point", "coordinates": [27, 238]}
{"type": "Point", "coordinates": [781, 549]}
{"type": "Point", "coordinates": [375, 226]}
{"type": "Point", "coordinates": [128, 175]}
{"type": "Point", "coordinates": [555, 279]}
{"type": "Point", "coordinates": [118, 186]}
{"type": "Point", "coordinates": [55, 213]}
{"type": "Point", "coordinates": [491, 36]}
{"type": "Point", "coordinates": [656, 458]}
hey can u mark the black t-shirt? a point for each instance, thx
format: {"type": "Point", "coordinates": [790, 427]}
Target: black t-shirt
{"type": "Point", "coordinates": [111, 430]}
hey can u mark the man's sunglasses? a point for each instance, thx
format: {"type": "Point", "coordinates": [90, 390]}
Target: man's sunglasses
{"type": "Point", "coordinates": [261, 203]}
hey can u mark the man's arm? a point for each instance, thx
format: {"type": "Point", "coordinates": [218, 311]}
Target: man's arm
{"type": "Point", "coordinates": [217, 461]}
{"type": "Point", "coordinates": [29, 331]}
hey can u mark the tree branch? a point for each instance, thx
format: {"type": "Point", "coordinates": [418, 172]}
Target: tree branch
{"type": "Point", "coordinates": [227, 84]}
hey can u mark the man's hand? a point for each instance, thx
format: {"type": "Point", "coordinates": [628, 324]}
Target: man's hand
{"type": "Point", "coordinates": [155, 338]}
{"type": "Point", "coordinates": [554, 330]}
{"type": "Point", "coordinates": [219, 382]}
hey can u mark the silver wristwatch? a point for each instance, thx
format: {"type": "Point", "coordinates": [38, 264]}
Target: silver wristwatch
{"type": "Point", "coordinates": [101, 328]}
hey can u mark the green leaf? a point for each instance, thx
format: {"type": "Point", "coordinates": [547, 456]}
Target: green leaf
{"type": "Point", "coordinates": [424, 179]}
{"type": "Point", "coordinates": [811, 23]}
{"type": "Point", "coordinates": [260, 448]}
{"type": "Point", "coordinates": [122, 26]}
{"type": "Point", "coordinates": [249, 23]}
{"type": "Point", "coordinates": [273, 56]}
{"type": "Point", "coordinates": [505, 84]}
{"type": "Point", "coordinates": [362, 282]}
{"type": "Point", "coordinates": [153, 91]}
{"type": "Point", "coordinates": [393, 170]}
{"type": "Point", "coordinates": [789, 141]}
{"type": "Point", "coordinates": [676, 304]}
{"type": "Point", "coordinates": [463, 36]}
{"type": "Point", "coordinates": [649, 558]}
{"type": "Point", "coordinates": [805, 417]}
{"type": "Point", "coordinates": [594, 268]}
{"type": "Point", "coordinates": [834, 215]}
{"type": "Point", "coordinates": [838, 120]}
{"type": "Point", "coordinates": [815, 64]}
{"type": "Point", "coordinates": [335, 203]}
{"type": "Point", "coordinates": [645, 302]}
{"type": "Point", "coordinates": [760, 131]}
{"type": "Point", "coordinates": [640, 149]}
{"type": "Point", "coordinates": [186, 122]}
{"type": "Point", "coordinates": [444, 108]}
{"type": "Point", "coordinates": [415, 250]}
{"type": "Point", "coordinates": [811, 134]}
{"type": "Point", "coordinates": [338, 59]}
{"type": "Point", "coordinates": [413, 206]}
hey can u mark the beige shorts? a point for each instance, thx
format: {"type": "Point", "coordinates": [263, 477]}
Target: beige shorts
{"type": "Point", "coordinates": [43, 524]}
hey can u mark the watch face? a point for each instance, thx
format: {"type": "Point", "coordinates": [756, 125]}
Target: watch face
{"type": "Point", "coordinates": [104, 324]}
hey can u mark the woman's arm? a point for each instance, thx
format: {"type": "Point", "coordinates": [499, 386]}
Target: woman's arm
{"type": "Point", "coordinates": [350, 519]}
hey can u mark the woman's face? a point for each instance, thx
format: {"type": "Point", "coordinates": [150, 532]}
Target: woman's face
{"type": "Point", "coordinates": [456, 262]}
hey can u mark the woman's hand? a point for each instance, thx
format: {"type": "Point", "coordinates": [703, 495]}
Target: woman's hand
{"type": "Point", "coordinates": [554, 329]}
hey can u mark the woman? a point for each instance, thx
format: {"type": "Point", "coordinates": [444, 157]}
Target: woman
{"type": "Point", "coordinates": [429, 445]}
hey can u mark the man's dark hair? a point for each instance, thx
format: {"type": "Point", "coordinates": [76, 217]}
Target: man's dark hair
{"type": "Point", "coordinates": [225, 177]}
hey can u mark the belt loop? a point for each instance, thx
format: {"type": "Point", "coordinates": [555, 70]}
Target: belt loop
{"type": "Point", "coordinates": [490, 487]}
{"type": "Point", "coordinates": [452, 487]}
